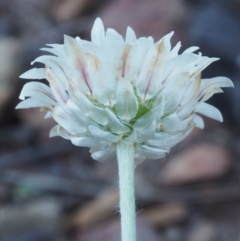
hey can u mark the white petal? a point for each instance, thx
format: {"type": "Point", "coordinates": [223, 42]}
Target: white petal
{"type": "Point", "coordinates": [48, 115]}
{"type": "Point", "coordinates": [211, 86]}
{"type": "Point", "coordinates": [142, 122]}
{"type": "Point", "coordinates": [97, 114]}
{"type": "Point", "coordinates": [59, 131]}
{"type": "Point", "coordinates": [89, 142]}
{"type": "Point", "coordinates": [148, 83]}
{"type": "Point", "coordinates": [67, 121]}
{"type": "Point", "coordinates": [59, 93]}
{"type": "Point", "coordinates": [171, 123]}
{"type": "Point", "coordinates": [134, 62]}
{"type": "Point", "coordinates": [123, 63]}
{"type": "Point", "coordinates": [40, 95]}
{"type": "Point", "coordinates": [198, 121]}
{"type": "Point", "coordinates": [166, 140]}
{"type": "Point", "coordinates": [104, 155]}
{"type": "Point", "coordinates": [56, 49]}
{"type": "Point", "coordinates": [32, 103]}
{"type": "Point", "coordinates": [75, 111]}
{"type": "Point", "coordinates": [126, 104]}
{"type": "Point", "coordinates": [60, 67]}
{"type": "Point", "coordinates": [78, 60]}
{"type": "Point", "coordinates": [188, 109]}
{"type": "Point", "coordinates": [210, 93]}
{"type": "Point", "coordinates": [98, 32]}
{"type": "Point", "coordinates": [158, 106]}
{"type": "Point", "coordinates": [37, 91]}
{"type": "Point", "coordinates": [104, 135]}
{"type": "Point", "coordinates": [115, 125]}
{"type": "Point", "coordinates": [174, 91]}
{"type": "Point", "coordinates": [191, 92]}
{"type": "Point", "coordinates": [167, 42]}
{"type": "Point", "coordinates": [175, 50]}
{"type": "Point", "coordinates": [217, 82]}
{"type": "Point", "coordinates": [113, 37]}
{"type": "Point", "coordinates": [177, 65]}
{"type": "Point", "coordinates": [130, 36]}
{"type": "Point", "coordinates": [151, 152]}
{"type": "Point", "coordinates": [34, 73]}
{"type": "Point", "coordinates": [190, 50]}
{"type": "Point", "coordinates": [50, 50]}
{"type": "Point", "coordinates": [54, 131]}
{"type": "Point", "coordinates": [200, 64]}
{"type": "Point", "coordinates": [209, 111]}
{"type": "Point", "coordinates": [147, 133]}
{"type": "Point", "coordinates": [103, 82]}
{"type": "Point", "coordinates": [63, 133]}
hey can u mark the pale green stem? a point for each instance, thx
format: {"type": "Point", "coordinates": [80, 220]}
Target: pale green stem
{"type": "Point", "coordinates": [125, 156]}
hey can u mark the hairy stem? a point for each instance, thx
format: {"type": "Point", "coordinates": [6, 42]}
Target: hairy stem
{"type": "Point", "coordinates": [125, 156]}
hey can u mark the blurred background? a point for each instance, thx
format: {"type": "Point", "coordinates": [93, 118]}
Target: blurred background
{"type": "Point", "coordinates": [51, 190]}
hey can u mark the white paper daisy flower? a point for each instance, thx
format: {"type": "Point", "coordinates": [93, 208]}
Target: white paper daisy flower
{"type": "Point", "coordinates": [110, 90]}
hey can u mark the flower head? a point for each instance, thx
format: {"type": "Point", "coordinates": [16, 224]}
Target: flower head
{"type": "Point", "coordinates": [111, 89]}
